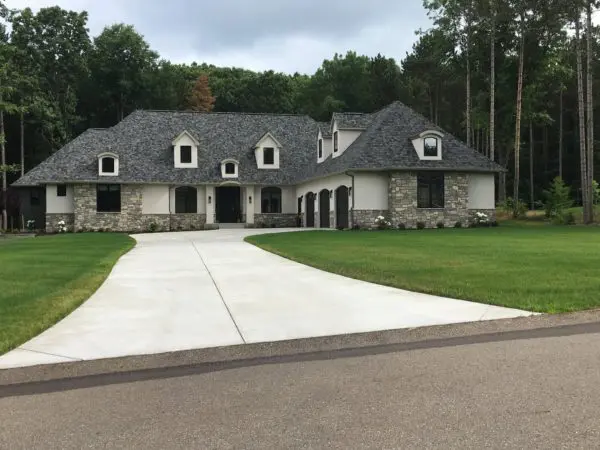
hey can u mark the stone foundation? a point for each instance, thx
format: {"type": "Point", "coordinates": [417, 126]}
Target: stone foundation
{"type": "Point", "coordinates": [403, 201]}
{"type": "Point", "coordinates": [53, 219]}
{"type": "Point", "coordinates": [188, 221]}
{"type": "Point", "coordinates": [279, 220]}
{"type": "Point", "coordinates": [365, 218]}
{"type": "Point", "coordinates": [156, 222]}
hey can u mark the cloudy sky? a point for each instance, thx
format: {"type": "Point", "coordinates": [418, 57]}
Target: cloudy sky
{"type": "Point", "coordinates": [283, 35]}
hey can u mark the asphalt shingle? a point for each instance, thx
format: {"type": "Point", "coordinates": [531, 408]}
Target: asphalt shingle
{"type": "Point", "coordinates": [143, 140]}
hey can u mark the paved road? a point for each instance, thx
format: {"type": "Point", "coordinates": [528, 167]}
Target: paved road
{"type": "Point", "coordinates": [178, 291]}
{"type": "Point", "coordinates": [515, 394]}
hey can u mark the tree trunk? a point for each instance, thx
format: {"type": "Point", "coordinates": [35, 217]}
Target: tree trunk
{"type": "Point", "coordinates": [22, 123]}
{"type": "Point", "coordinates": [560, 136]}
{"type": "Point", "coordinates": [531, 148]}
{"type": "Point", "coordinates": [467, 52]}
{"type": "Point", "coordinates": [590, 116]}
{"type": "Point", "coordinates": [4, 173]}
{"type": "Point", "coordinates": [545, 150]}
{"type": "Point", "coordinates": [493, 81]}
{"type": "Point", "coordinates": [518, 114]}
{"type": "Point", "coordinates": [502, 160]}
{"type": "Point", "coordinates": [581, 110]}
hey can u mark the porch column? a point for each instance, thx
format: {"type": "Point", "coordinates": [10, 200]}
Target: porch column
{"type": "Point", "coordinates": [210, 204]}
{"type": "Point", "coordinates": [249, 202]}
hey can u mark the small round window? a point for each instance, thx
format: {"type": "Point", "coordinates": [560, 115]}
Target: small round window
{"type": "Point", "coordinates": [431, 146]}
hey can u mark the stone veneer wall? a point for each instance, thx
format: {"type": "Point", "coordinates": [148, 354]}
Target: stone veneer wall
{"type": "Point", "coordinates": [403, 201]}
{"type": "Point", "coordinates": [129, 219]}
{"type": "Point", "coordinates": [53, 219]}
{"type": "Point", "coordinates": [365, 218]}
{"type": "Point", "coordinates": [188, 221]}
{"type": "Point", "coordinates": [280, 220]}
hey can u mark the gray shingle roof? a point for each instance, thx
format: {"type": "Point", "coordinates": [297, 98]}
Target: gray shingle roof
{"type": "Point", "coordinates": [143, 143]}
{"type": "Point", "coordinates": [349, 121]}
{"type": "Point", "coordinates": [325, 128]}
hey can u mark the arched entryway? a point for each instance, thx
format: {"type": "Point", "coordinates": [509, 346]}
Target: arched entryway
{"type": "Point", "coordinates": [324, 208]}
{"type": "Point", "coordinates": [310, 210]}
{"type": "Point", "coordinates": [341, 207]}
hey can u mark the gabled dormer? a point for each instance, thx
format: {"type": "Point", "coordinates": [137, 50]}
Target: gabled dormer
{"type": "Point", "coordinates": [345, 129]}
{"type": "Point", "coordinates": [185, 151]}
{"type": "Point", "coordinates": [428, 145]}
{"type": "Point", "coordinates": [230, 168]}
{"type": "Point", "coordinates": [323, 143]}
{"type": "Point", "coordinates": [108, 164]}
{"type": "Point", "coordinates": [267, 151]}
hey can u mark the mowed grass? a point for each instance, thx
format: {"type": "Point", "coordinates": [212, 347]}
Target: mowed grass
{"type": "Point", "coordinates": [538, 268]}
{"type": "Point", "coordinates": [43, 279]}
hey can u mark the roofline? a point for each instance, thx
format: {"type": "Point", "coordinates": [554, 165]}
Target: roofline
{"type": "Point", "coordinates": [178, 111]}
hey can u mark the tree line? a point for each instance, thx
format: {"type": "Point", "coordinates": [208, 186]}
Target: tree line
{"type": "Point", "coordinates": [512, 78]}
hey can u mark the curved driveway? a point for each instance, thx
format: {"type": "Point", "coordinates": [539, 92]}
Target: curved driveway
{"type": "Point", "coordinates": [179, 291]}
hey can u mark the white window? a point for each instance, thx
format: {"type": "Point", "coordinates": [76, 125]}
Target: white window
{"type": "Point", "coordinates": [229, 168]}
{"type": "Point", "coordinates": [185, 151]}
{"type": "Point", "coordinates": [108, 164]}
{"type": "Point", "coordinates": [430, 147]}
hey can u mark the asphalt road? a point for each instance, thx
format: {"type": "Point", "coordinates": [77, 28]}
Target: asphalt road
{"type": "Point", "coordinates": [540, 393]}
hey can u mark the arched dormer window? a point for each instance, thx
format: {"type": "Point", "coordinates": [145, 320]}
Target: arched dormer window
{"type": "Point", "coordinates": [430, 146]}
{"type": "Point", "coordinates": [229, 168]}
{"type": "Point", "coordinates": [108, 164]}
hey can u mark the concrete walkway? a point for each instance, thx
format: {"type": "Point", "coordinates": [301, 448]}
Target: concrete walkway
{"type": "Point", "coordinates": [179, 291]}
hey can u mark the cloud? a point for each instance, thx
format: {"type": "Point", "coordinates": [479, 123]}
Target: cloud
{"type": "Point", "coordinates": [289, 36]}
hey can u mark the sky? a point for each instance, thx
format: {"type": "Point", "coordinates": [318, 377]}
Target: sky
{"type": "Point", "coordinates": [282, 35]}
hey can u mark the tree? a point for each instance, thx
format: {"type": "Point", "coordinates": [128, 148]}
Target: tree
{"type": "Point", "coordinates": [492, 151]}
{"type": "Point", "coordinates": [518, 110]}
{"type": "Point", "coordinates": [121, 63]}
{"type": "Point", "coordinates": [589, 205]}
{"type": "Point", "coordinates": [200, 98]}
{"type": "Point", "coordinates": [582, 123]}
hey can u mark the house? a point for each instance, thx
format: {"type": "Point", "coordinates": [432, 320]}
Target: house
{"type": "Point", "coordinates": [186, 170]}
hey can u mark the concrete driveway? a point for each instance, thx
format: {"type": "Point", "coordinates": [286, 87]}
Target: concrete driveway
{"type": "Point", "coordinates": [179, 291]}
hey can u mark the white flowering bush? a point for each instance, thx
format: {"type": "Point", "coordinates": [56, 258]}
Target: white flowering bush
{"type": "Point", "coordinates": [382, 223]}
{"type": "Point", "coordinates": [61, 226]}
{"type": "Point", "coordinates": [31, 225]}
{"type": "Point", "coordinates": [481, 219]}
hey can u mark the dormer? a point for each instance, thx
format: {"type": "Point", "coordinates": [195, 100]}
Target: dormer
{"type": "Point", "coordinates": [108, 164]}
{"type": "Point", "coordinates": [267, 151]}
{"type": "Point", "coordinates": [345, 129]}
{"type": "Point", "coordinates": [185, 151]}
{"type": "Point", "coordinates": [323, 144]}
{"type": "Point", "coordinates": [428, 145]}
{"type": "Point", "coordinates": [229, 168]}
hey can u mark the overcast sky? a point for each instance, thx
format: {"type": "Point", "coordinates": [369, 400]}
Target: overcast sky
{"type": "Point", "coordinates": [283, 35]}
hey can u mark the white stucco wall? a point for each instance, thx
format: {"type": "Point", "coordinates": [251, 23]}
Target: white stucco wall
{"type": "Point", "coordinates": [155, 199]}
{"type": "Point", "coordinates": [59, 205]}
{"type": "Point", "coordinates": [288, 199]}
{"type": "Point", "coordinates": [185, 140]}
{"type": "Point", "coordinates": [371, 190]}
{"type": "Point", "coordinates": [315, 186]}
{"type": "Point", "coordinates": [345, 139]}
{"type": "Point", "coordinates": [481, 191]}
{"type": "Point", "coordinates": [209, 191]}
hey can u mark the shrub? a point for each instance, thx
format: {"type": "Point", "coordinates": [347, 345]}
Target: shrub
{"type": "Point", "coordinates": [382, 223]}
{"type": "Point", "coordinates": [494, 223]}
{"type": "Point", "coordinates": [440, 224]}
{"type": "Point", "coordinates": [566, 218]}
{"type": "Point", "coordinates": [100, 230]}
{"type": "Point", "coordinates": [192, 227]}
{"type": "Point", "coordinates": [31, 225]}
{"type": "Point", "coordinates": [558, 199]}
{"type": "Point", "coordinates": [402, 226]}
{"type": "Point", "coordinates": [517, 210]}
{"type": "Point", "coordinates": [152, 227]}
{"type": "Point", "coordinates": [356, 227]}
{"type": "Point", "coordinates": [481, 219]}
{"type": "Point", "coordinates": [339, 228]}
{"type": "Point", "coordinates": [458, 224]}
{"type": "Point", "coordinates": [420, 225]}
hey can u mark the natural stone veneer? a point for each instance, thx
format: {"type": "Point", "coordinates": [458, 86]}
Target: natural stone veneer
{"type": "Point", "coordinates": [188, 221]}
{"type": "Point", "coordinates": [403, 201]}
{"type": "Point", "coordinates": [53, 219]}
{"type": "Point", "coordinates": [279, 220]}
{"type": "Point", "coordinates": [365, 218]}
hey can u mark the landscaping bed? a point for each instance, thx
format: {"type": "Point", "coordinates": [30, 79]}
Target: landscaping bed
{"type": "Point", "coordinates": [541, 268]}
{"type": "Point", "coordinates": [42, 279]}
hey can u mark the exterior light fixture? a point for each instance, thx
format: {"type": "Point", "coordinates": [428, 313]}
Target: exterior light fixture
{"type": "Point", "coordinates": [250, 199]}
{"type": "Point", "coordinates": [209, 199]}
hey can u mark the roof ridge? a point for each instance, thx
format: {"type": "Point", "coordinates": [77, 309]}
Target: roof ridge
{"type": "Point", "coordinates": [221, 112]}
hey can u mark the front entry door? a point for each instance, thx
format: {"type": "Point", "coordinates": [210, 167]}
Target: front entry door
{"type": "Point", "coordinates": [228, 206]}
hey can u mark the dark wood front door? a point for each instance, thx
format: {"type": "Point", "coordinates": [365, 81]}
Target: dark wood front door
{"type": "Point", "coordinates": [341, 207]}
{"type": "Point", "coordinates": [228, 205]}
{"type": "Point", "coordinates": [324, 208]}
{"type": "Point", "coordinates": [309, 209]}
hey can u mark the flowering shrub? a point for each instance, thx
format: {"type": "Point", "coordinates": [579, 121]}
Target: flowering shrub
{"type": "Point", "coordinates": [31, 225]}
{"type": "Point", "coordinates": [61, 226]}
{"type": "Point", "coordinates": [382, 223]}
{"type": "Point", "coordinates": [481, 219]}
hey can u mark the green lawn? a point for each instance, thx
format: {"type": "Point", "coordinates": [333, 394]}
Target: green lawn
{"type": "Point", "coordinates": [535, 267]}
{"type": "Point", "coordinates": [42, 279]}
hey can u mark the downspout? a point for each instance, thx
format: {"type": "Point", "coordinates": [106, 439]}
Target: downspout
{"type": "Point", "coordinates": [351, 209]}
{"type": "Point", "coordinates": [170, 211]}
